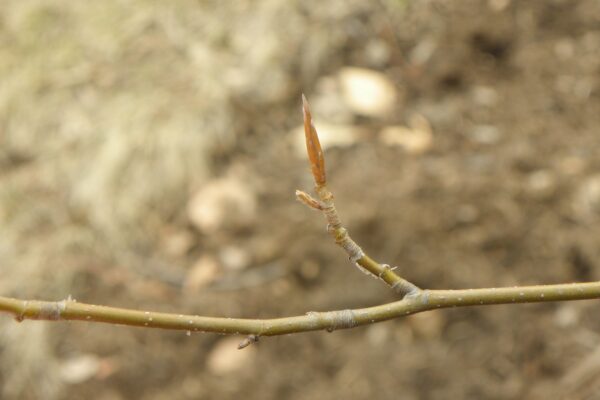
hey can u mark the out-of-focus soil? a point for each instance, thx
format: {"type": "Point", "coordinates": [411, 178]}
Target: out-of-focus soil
{"type": "Point", "coordinates": [506, 193]}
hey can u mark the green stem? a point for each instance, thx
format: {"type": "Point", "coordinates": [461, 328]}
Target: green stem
{"type": "Point", "coordinates": [355, 253]}
{"type": "Point", "coordinates": [422, 300]}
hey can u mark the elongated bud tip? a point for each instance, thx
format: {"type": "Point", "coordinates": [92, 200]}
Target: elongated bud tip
{"type": "Point", "coordinates": [305, 106]}
{"type": "Point", "coordinates": [313, 147]}
{"type": "Point", "coordinates": [306, 111]}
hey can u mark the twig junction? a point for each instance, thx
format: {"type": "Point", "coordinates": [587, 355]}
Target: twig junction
{"type": "Point", "coordinates": [413, 299]}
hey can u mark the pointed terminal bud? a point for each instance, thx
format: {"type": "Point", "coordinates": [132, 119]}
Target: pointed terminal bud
{"type": "Point", "coordinates": [313, 146]}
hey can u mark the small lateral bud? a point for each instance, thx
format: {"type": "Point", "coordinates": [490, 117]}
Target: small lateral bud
{"type": "Point", "coordinates": [313, 146]}
{"type": "Point", "coordinates": [248, 341]}
{"type": "Point", "coordinates": [308, 200]}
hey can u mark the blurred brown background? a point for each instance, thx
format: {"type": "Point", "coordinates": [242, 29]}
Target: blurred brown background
{"type": "Point", "coordinates": [149, 153]}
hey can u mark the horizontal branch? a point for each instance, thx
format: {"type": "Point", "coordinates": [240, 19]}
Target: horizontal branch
{"type": "Point", "coordinates": [423, 300]}
{"type": "Point", "coordinates": [414, 300]}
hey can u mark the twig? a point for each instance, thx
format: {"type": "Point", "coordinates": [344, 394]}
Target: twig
{"type": "Point", "coordinates": [414, 300]}
{"type": "Point", "coordinates": [69, 310]}
{"type": "Point", "coordinates": [334, 225]}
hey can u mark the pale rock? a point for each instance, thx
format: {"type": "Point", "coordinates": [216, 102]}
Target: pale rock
{"type": "Point", "coordinates": [204, 272]}
{"type": "Point", "coordinates": [223, 203]}
{"type": "Point", "coordinates": [566, 316]}
{"type": "Point", "coordinates": [423, 51]}
{"type": "Point", "coordinates": [564, 49]}
{"type": "Point", "coordinates": [586, 202]}
{"type": "Point", "coordinates": [367, 92]}
{"type": "Point", "coordinates": [225, 358]}
{"type": "Point", "coordinates": [310, 269]}
{"type": "Point", "coordinates": [499, 5]}
{"type": "Point", "coordinates": [234, 257]}
{"type": "Point", "coordinates": [485, 96]}
{"type": "Point", "coordinates": [79, 369]}
{"type": "Point", "coordinates": [177, 243]}
{"type": "Point", "coordinates": [416, 139]}
{"type": "Point", "coordinates": [377, 52]}
{"type": "Point", "coordinates": [328, 103]}
{"type": "Point", "coordinates": [541, 183]}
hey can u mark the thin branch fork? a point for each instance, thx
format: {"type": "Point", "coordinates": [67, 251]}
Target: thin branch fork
{"type": "Point", "coordinates": [334, 224]}
{"type": "Point", "coordinates": [413, 300]}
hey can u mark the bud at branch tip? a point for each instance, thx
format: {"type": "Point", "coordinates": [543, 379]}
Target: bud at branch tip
{"type": "Point", "coordinates": [313, 146]}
